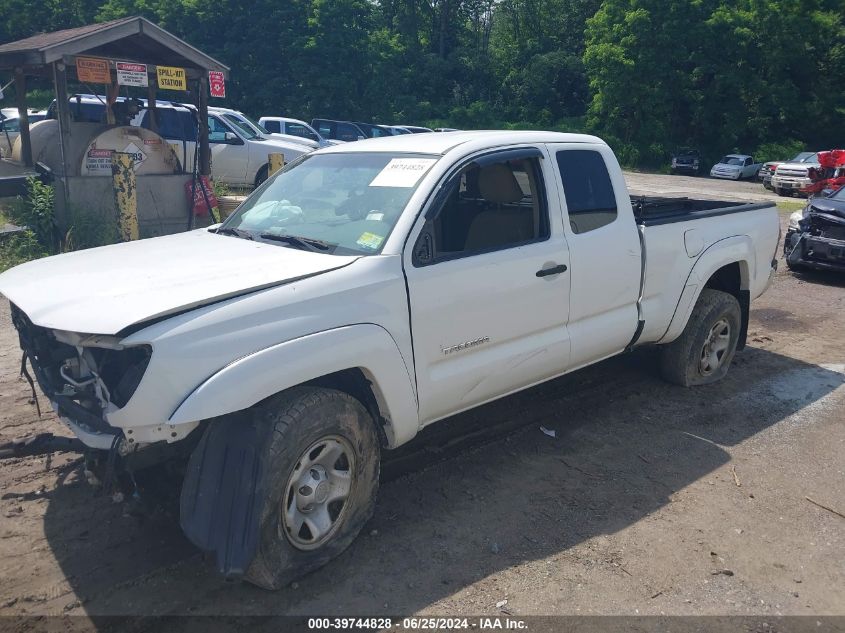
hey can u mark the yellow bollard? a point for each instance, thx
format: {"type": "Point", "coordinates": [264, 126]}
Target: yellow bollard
{"type": "Point", "coordinates": [276, 161]}
{"type": "Point", "coordinates": [125, 195]}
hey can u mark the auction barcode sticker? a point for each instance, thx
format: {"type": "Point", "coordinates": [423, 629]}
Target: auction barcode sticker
{"type": "Point", "coordinates": [402, 172]}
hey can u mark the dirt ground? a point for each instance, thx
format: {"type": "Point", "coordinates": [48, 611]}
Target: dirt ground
{"type": "Point", "coordinates": [651, 499]}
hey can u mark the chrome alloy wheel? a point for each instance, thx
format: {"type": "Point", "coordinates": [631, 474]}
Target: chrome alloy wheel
{"type": "Point", "coordinates": [316, 494]}
{"type": "Point", "coordinates": [715, 347]}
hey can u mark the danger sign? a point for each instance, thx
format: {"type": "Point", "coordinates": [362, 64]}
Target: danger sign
{"type": "Point", "coordinates": [216, 84]}
{"type": "Point", "coordinates": [131, 74]}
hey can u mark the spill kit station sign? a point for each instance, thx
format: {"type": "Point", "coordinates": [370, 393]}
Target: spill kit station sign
{"type": "Point", "coordinates": [171, 78]}
{"type": "Point", "coordinates": [93, 70]}
{"type": "Point", "coordinates": [132, 74]}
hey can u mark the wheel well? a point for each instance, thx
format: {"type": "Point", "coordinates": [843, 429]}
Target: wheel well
{"type": "Point", "coordinates": [258, 173]}
{"type": "Point", "coordinates": [354, 382]}
{"type": "Point", "coordinates": [729, 279]}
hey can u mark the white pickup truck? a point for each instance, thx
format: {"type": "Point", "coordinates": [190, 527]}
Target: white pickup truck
{"type": "Point", "coordinates": [364, 292]}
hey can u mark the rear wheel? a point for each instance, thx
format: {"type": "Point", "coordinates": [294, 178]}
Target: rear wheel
{"type": "Point", "coordinates": [320, 477]}
{"type": "Point", "coordinates": [703, 352]}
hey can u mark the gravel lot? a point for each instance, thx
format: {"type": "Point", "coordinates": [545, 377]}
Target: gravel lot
{"type": "Point", "coordinates": [652, 499]}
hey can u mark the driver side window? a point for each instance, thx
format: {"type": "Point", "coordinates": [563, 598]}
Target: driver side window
{"type": "Point", "coordinates": [492, 207]}
{"type": "Point", "coordinates": [217, 130]}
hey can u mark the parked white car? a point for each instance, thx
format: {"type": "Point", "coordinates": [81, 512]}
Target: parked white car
{"type": "Point", "coordinates": [240, 119]}
{"type": "Point", "coordinates": [295, 127]}
{"type": "Point", "coordinates": [10, 127]}
{"type": "Point", "coordinates": [735, 167]}
{"type": "Point", "coordinates": [239, 155]}
{"type": "Point", "coordinates": [793, 176]}
{"type": "Point", "coordinates": [278, 348]}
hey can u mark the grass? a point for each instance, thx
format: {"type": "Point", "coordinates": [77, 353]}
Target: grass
{"type": "Point", "coordinates": [786, 207]}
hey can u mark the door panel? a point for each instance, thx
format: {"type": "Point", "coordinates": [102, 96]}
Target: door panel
{"type": "Point", "coordinates": [486, 324]}
{"type": "Point", "coordinates": [228, 161]}
{"type": "Point", "coordinates": [604, 249]}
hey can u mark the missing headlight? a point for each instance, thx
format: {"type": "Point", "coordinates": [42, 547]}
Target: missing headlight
{"type": "Point", "coordinates": [122, 370]}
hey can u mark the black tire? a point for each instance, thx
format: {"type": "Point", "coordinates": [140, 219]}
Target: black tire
{"type": "Point", "coordinates": [301, 417]}
{"type": "Point", "coordinates": [262, 175]}
{"type": "Point", "coordinates": [681, 360]}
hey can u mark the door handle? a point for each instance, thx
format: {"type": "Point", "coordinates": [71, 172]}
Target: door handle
{"type": "Point", "coordinates": [554, 270]}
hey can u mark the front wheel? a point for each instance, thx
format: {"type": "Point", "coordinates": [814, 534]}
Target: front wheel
{"type": "Point", "coordinates": [704, 350]}
{"type": "Point", "coordinates": [320, 479]}
{"type": "Point", "coordinates": [262, 175]}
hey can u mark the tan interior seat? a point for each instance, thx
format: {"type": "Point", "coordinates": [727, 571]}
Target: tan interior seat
{"type": "Point", "coordinates": [503, 224]}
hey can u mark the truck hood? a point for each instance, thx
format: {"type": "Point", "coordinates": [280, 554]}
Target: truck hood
{"type": "Point", "coordinates": [105, 290]}
{"type": "Point", "coordinates": [726, 169]}
{"type": "Point", "coordinates": [290, 138]}
{"type": "Point", "coordinates": [828, 207]}
{"type": "Point", "coordinates": [271, 142]}
{"type": "Point", "coordinates": [795, 168]}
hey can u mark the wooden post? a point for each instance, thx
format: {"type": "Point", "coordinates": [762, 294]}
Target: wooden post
{"type": "Point", "coordinates": [151, 105]}
{"type": "Point", "coordinates": [276, 162]}
{"type": "Point", "coordinates": [23, 115]}
{"type": "Point", "coordinates": [63, 116]}
{"type": "Point", "coordinates": [62, 104]}
{"type": "Point", "coordinates": [202, 108]}
{"type": "Point", "coordinates": [125, 194]}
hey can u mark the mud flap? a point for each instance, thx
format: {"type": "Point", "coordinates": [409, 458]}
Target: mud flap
{"type": "Point", "coordinates": [220, 505]}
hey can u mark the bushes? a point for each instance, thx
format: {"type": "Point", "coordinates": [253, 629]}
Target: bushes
{"type": "Point", "coordinates": [778, 151]}
{"type": "Point", "coordinates": [18, 248]}
{"type": "Point", "coordinates": [88, 230]}
{"type": "Point", "coordinates": [36, 213]}
{"type": "Point", "coordinates": [40, 237]}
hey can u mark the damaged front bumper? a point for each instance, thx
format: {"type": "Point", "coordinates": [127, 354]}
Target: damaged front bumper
{"type": "Point", "coordinates": [811, 246]}
{"type": "Point", "coordinates": [88, 379]}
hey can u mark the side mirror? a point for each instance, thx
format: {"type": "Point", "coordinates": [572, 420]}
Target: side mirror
{"type": "Point", "coordinates": [231, 138]}
{"type": "Point", "coordinates": [423, 249]}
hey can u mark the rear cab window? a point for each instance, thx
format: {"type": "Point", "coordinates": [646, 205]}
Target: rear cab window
{"type": "Point", "coordinates": [297, 129]}
{"type": "Point", "coordinates": [172, 124]}
{"type": "Point", "coordinates": [590, 198]}
{"type": "Point", "coordinates": [272, 126]}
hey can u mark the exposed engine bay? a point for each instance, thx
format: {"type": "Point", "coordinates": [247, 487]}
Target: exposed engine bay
{"type": "Point", "coordinates": [83, 375]}
{"type": "Point", "coordinates": [816, 238]}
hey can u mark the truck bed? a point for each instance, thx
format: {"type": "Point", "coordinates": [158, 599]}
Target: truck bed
{"type": "Point", "coordinates": [654, 211]}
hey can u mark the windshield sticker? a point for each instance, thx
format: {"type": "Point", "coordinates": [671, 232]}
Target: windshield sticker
{"type": "Point", "coordinates": [376, 216]}
{"type": "Point", "coordinates": [402, 172]}
{"type": "Point", "coordinates": [370, 240]}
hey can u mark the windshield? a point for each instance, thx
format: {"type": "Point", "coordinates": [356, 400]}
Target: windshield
{"type": "Point", "coordinates": [346, 203]}
{"type": "Point", "coordinates": [730, 160]}
{"type": "Point", "coordinates": [252, 122]}
{"type": "Point", "coordinates": [246, 129]}
{"type": "Point", "coordinates": [805, 157]}
{"type": "Point", "coordinates": [839, 194]}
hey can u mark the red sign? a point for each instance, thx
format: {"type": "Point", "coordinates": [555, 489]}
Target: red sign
{"type": "Point", "coordinates": [200, 206]}
{"type": "Point", "coordinates": [216, 83]}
